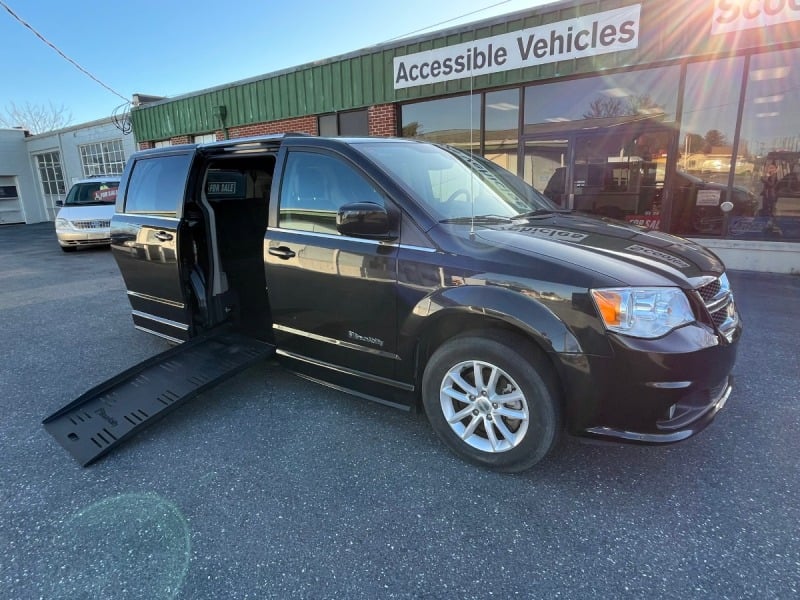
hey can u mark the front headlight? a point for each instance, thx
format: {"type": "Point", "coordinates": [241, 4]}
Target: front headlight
{"type": "Point", "coordinates": [63, 225]}
{"type": "Point", "coordinates": [643, 312]}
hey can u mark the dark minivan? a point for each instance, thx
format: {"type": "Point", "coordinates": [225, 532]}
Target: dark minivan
{"type": "Point", "coordinates": [423, 277]}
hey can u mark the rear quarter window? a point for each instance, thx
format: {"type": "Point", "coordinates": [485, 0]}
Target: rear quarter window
{"type": "Point", "coordinates": [157, 185]}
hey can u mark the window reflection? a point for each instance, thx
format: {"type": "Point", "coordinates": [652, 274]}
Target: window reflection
{"type": "Point", "coordinates": [455, 121]}
{"type": "Point", "coordinates": [650, 93]}
{"type": "Point", "coordinates": [603, 144]}
{"type": "Point", "coordinates": [708, 125]}
{"type": "Point", "coordinates": [709, 118]}
{"type": "Point", "coordinates": [620, 173]}
{"type": "Point", "coordinates": [771, 135]}
{"type": "Point", "coordinates": [502, 128]}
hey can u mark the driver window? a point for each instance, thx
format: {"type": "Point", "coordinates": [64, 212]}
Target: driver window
{"type": "Point", "coordinates": [315, 186]}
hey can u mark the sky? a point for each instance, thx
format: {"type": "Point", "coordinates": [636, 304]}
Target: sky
{"type": "Point", "coordinates": [174, 47]}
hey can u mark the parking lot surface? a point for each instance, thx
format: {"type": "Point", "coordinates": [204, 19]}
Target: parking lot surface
{"type": "Point", "coordinates": [270, 486]}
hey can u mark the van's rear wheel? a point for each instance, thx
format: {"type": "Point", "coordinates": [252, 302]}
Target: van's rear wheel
{"type": "Point", "coordinates": [491, 403]}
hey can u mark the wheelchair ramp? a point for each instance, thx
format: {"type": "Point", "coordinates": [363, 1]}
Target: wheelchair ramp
{"type": "Point", "coordinates": [108, 414]}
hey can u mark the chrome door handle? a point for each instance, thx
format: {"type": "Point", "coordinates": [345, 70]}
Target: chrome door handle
{"type": "Point", "coordinates": [282, 252]}
{"type": "Point", "coordinates": [163, 236]}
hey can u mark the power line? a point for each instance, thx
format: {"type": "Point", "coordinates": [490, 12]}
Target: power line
{"type": "Point", "coordinates": [446, 21]}
{"type": "Point", "coordinates": [53, 46]}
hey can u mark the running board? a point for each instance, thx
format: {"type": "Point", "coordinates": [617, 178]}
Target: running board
{"type": "Point", "coordinates": [108, 414]}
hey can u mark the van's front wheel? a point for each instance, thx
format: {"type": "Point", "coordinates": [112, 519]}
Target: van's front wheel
{"type": "Point", "coordinates": [491, 404]}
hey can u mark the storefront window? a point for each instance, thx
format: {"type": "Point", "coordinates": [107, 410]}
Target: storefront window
{"type": "Point", "coordinates": [455, 121]}
{"type": "Point", "coordinates": [353, 123]}
{"type": "Point", "coordinates": [619, 173]}
{"type": "Point", "coordinates": [771, 136]}
{"type": "Point", "coordinates": [708, 125]}
{"type": "Point", "coordinates": [622, 97]}
{"type": "Point", "coordinates": [502, 128]}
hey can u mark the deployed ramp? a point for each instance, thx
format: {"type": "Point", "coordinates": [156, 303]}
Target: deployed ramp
{"type": "Point", "coordinates": [105, 416]}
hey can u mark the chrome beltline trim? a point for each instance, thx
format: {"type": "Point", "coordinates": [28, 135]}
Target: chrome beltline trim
{"type": "Point", "coordinates": [155, 299]}
{"type": "Point", "coordinates": [335, 342]}
{"type": "Point", "coordinates": [163, 321]}
{"type": "Point", "coordinates": [331, 236]}
{"type": "Point", "coordinates": [150, 216]}
{"type": "Point", "coordinates": [156, 333]}
{"type": "Point", "coordinates": [360, 374]}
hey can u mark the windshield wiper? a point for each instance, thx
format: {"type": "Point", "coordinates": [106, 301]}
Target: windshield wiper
{"type": "Point", "coordinates": [544, 212]}
{"type": "Point", "coordinates": [485, 219]}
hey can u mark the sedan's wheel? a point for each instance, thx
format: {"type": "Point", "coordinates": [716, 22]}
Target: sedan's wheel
{"type": "Point", "coordinates": [491, 404]}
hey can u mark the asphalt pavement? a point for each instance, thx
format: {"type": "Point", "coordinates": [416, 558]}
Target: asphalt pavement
{"type": "Point", "coordinates": [270, 486]}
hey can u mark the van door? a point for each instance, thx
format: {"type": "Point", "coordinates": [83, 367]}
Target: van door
{"type": "Point", "coordinates": [333, 297]}
{"type": "Point", "coordinates": [145, 241]}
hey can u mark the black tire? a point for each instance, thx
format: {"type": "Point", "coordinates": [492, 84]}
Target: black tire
{"type": "Point", "coordinates": [68, 248]}
{"type": "Point", "coordinates": [523, 388]}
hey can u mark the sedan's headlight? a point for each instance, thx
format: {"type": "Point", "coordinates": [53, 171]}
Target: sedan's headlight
{"type": "Point", "coordinates": [63, 225]}
{"type": "Point", "coordinates": [643, 312]}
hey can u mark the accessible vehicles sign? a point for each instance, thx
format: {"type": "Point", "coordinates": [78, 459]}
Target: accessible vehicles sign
{"type": "Point", "coordinates": [590, 35]}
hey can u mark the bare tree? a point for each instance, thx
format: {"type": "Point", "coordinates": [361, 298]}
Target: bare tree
{"type": "Point", "coordinates": [602, 107]}
{"type": "Point", "coordinates": [644, 104]}
{"type": "Point", "coordinates": [36, 118]}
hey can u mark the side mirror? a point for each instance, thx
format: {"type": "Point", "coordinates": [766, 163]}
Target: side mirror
{"type": "Point", "coordinates": [363, 219]}
{"type": "Point", "coordinates": [59, 203]}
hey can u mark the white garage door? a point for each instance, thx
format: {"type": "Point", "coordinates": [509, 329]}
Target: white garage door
{"type": "Point", "coordinates": [10, 206]}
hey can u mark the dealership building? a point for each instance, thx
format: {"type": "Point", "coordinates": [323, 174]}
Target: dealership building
{"type": "Point", "coordinates": [665, 114]}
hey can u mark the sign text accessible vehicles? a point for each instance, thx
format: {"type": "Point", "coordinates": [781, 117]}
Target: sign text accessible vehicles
{"type": "Point", "coordinates": [590, 35]}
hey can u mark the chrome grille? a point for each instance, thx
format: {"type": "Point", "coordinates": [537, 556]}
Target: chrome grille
{"type": "Point", "coordinates": [719, 317]}
{"type": "Point", "coordinates": [718, 300]}
{"type": "Point", "coordinates": [709, 291]}
{"type": "Point", "coordinates": [92, 224]}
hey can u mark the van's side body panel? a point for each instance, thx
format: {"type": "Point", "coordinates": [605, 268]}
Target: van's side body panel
{"type": "Point", "coordinates": [145, 241]}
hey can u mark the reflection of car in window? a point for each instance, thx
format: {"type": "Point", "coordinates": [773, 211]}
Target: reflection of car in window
{"type": "Point", "coordinates": [695, 211]}
{"type": "Point", "coordinates": [723, 165]}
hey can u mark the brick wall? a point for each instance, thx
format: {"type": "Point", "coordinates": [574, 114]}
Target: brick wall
{"type": "Point", "coordinates": [382, 123]}
{"type": "Point", "coordinates": [383, 120]}
{"type": "Point", "coordinates": [297, 125]}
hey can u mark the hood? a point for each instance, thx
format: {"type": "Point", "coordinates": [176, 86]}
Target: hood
{"type": "Point", "coordinates": [88, 212]}
{"type": "Point", "coordinates": [626, 252]}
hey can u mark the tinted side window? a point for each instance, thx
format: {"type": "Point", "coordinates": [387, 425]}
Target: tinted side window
{"type": "Point", "coordinates": [157, 185]}
{"type": "Point", "coordinates": [315, 186]}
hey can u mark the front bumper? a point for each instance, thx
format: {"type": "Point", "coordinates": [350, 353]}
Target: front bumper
{"type": "Point", "coordinates": [691, 418]}
{"type": "Point", "coordinates": [94, 237]}
{"type": "Point", "coordinates": [651, 391]}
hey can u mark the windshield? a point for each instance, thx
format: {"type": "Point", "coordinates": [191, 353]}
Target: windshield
{"type": "Point", "coordinates": [93, 192]}
{"type": "Point", "coordinates": [451, 184]}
